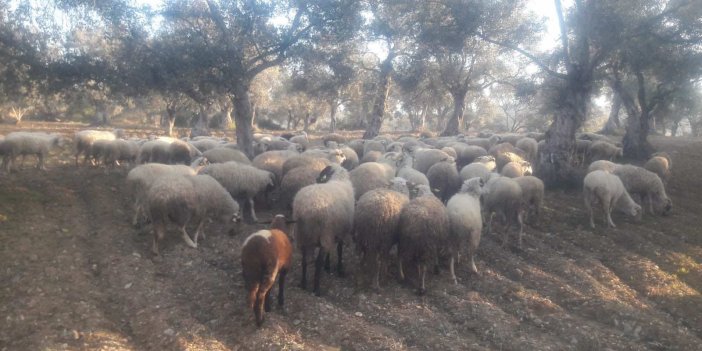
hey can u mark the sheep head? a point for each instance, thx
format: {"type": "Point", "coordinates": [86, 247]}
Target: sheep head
{"type": "Point", "coordinates": [474, 186]}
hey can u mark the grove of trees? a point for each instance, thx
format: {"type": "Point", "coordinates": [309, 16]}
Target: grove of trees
{"type": "Point", "coordinates": [450, 66]}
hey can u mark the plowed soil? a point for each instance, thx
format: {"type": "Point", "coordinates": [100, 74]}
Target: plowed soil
{"type": "Point", "coordinates": [75, 275]}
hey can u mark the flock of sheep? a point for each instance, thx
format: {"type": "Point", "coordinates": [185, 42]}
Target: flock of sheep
{"type": "Point", "coordinates": [429, 197]}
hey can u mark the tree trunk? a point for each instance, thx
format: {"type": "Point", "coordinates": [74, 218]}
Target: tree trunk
{"type": "Point", "coordinates": [376, 120]}
{"type": "Point", "coordinates": [332, 115]}
{"type": "Point", "coordinates": [243, 116]}
{"type": "Point", "coordinates": [453, 126]}
{"type": "Point", "coordinates": [307, 122]}
{"type": "Point", "coordinates": [227, 120]}
{"type": "Point", "coordinates": [202, 125]}
{"type": "Point", "coordinates": [290, 118]}
{"type": "Point", "coordinates": [613, 121]}
{"type": "Point", "coordinates": [635, 141]}
{"type": "Point", "coordinates": [254, 109]}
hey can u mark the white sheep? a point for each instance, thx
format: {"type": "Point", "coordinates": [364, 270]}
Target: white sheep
{"type": "Point", "coordinates": [29, 143]}
{"type": "Point", "coordinates": [324, 215]}
{"type": "Point", "coordinates": [660, 163]}
{"type": "Point", "coordinates": [242, 181]}
{"type": "Point", "coordinates": [444, 179]}
{"type": "Point", "coordinates": [465, 222]}
{"type": "Point", "coordinates": [425, 158]}
{"type": "Point", "coordinates": [604, 150]}
{"type": "Point", "coordinates": [140, 178]}
{"type": "Point", "coordinates": [225, 154]}
{"type": "Point", "coordinates": [609, 191]}
{"type": "Point", "coordinates": [369, 176]}
{"type": "Point", "coordinates": [516, 169]}
{"type": "Point", "coordinates": [646, 185]}
{"type": "Point", "coordinates": [272, 161]}
{"type": "Point", "coordinates": [602, 165]}
{"type": "Point", "coordinates": [84, 139]}
{"type": "Point", "coordinates": [529, 146]}
{"type": "Point", "coordinates": [406, 171]}
{"type": "Point", "coordinates": [475, 169]}
{"type": "Point", "coordinates": [504, 197]}
{"type": "Point", "coordinates": [532, 196]}
{"type": "Point", "coordinates": [180, 199]}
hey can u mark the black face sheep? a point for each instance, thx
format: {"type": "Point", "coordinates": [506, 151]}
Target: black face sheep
{"type": "Point", "coordinates": [660, 164]}
{"type": "Point", "coordinates": [423, 228]}
{"type": "Point", "coordinates": [465, 222]}
{"type": "Point", "coordinates": [465, 154]}
{"type": "Point", "coordinates": [29, 143]}
{"type": "Point", "coordinates": [265, 256]}
{"type": "Point", "coordinates": [225, 154]}
{"type": "Point", "coordinates": [646, 185]}
{"type": "Point", "coordinates": [444, 179]}
{"type": "Point", "coordinates": [376, 221]}
{"type": "Point", "coordinates": [608, 190]}
{"type": "Point", "coordinates": [294, 180]}
{"type": "Point", "coordinates": [504, 197]}
{"type": "Point", "coordinates": [603, 150]}
{"type": "Point", "coordinates": [243, 182]}
{"type": "Point", "coordinates": [323, 214]}
{"type": "Point", "coordinates": [516, 169]}
{"type": "Point", "coordinates": [532, 197]}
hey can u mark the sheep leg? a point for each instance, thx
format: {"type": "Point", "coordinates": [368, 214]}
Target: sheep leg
{"type": "Point", "coordinates": [607, 205]}
{"type": "Point", "coordinates": [303, 282]}
{"type": "Point", "coordinates": [159, 232]}
{"type": "Point", "coordinates": [199, 231]}
{"type": "Point", "coordinates": [327, 263]}
{"type": "Point", "coordinates": [451, 268]}
{"type": "Point", "coordinates": [422, 272]}
{"type": "Point", "coordinates": [520, 220]}
{"type": "Point", "coordinates": [253, 211]}
{"type": "Point", "coordinates": [281, 287]}
{"type": "Point", "coordinates": [399, 267]}
{"type": "Point", "coordinates": [339, 263]}
{"type": "Point", "coordinates": [376, 279]}
{"type": "Point", "coordinates": [489, 223]}
{"type": "Point", "coordinates": [318, 270]}
{"type": "Point", "coordinates": [187, 239]}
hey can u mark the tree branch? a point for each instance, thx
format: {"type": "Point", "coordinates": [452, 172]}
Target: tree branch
{"type": "Point", "coordinates": [526, 54]}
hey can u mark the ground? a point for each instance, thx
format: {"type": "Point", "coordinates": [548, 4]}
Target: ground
{"type": "Point", "coordinates": [75, 275]}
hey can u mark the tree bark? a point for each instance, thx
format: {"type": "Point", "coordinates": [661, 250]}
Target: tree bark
{"type": "Point", "coordinates": [290, 118]}
{"type": "Point", "coordinates": [243, 116]}
{"type": "Point", "coordinates": [453, 126]}
{"type": "Point", "coordinates": [635, 141]}
{"type": "Point", "coordinates": [613, 121]}
{"type": "Point", "coordinates": [332, 115]}
{"type": "Point", "coordinates": [227, 121]}
{"type": "Point", "coordinates": [376, 120]}
{"type": "Point", "coordinates": [202, 124]}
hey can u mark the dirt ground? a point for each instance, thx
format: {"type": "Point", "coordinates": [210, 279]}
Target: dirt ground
{"type": "Point", "coordinates": [75, 275]}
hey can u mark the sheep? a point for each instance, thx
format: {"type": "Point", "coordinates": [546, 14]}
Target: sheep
{"type": "Point", "coordinates": [501, 148]}
{"type": "Point", "coordinates": [98, 150]}
{"type": "Point", "coordinates": [324, 214]}
{"type": "Point", "coordinates": [510, 156]}
{"type": "Point", "coordinates": [29, 143]}
{"type": "Point", "coordinates": [475, 169]}
{"type": "Point", "coordinates": [304, 161]}
{"type": "Point", "coordinates": [369, 176]}
{"type": "Point", "coordinates": [213, 203]}
{"type": "Point", "coordinates": [511, 138]}
{"type": "Point", "coordinates": [660, 164]}
{"type": "Point", "coordinates": [504, 197]}
{"type": "Point", "coordinates": [485, 143]}
{"type": "Point", "coordinates": [465, 154]}
{"type": "Point", "coordinates": [205, 144]}
{"type": "Point", "coordinates": [529, 146]}
{"type": "Point", "coordinates": [645, 184]}
{"type": "Point", "coordinates": [425, 158]}
{"type": "Point", "coordinates": [609, 191]}
{"type": "Point", "coordinates": [376, 220]}
{"type": "Point", "coordinates": [450, 151]}
{"type": "Point", "coordinates": [581, 150]}
{"type": "Point", "coordinates": [516, 169]}
{"type": "Point", "coordinates": [84, 139]}
{"type": "Point", "coordinates": [357, 146]}
{"type": "Point", "coordinates": [604, 150]}
{"type": "Point", "coordinates": [182, 152]}
{"type": "Point", "coordinates": [294, 180]}
{"type": "Point", "coordinates": [444, 179]}
{"type": "Point", "coordinates": [371, 156]}
{"type": "Point", "coordinates": [121, 150]}
{"type": "Point", "coordinates": [395, 147]}
{"type": "Point", "coordinates": [532, 197]}
{"type": "Point", "coordinates": [373, 145]}
{"type": "Point", "coordinates": [225, 154]}
{"type": "Point", "coordinates": [171, 198]}
{"type": "Point", "coordinates": [406, 171]}
{"type": "Point", "coordinates": [337, 138]}
{"type": "Point", "coordinates": [154, 151]}
{"type": "Point", "coordinates": [140, 179]}
{"type": "Point", "coordinates": [465, 222]}
{"type": "Point", "coordinates": [242, 181]}
{"type": "Point", "coordinates": [602, 165]}
{"type": "Point", "coordinates": [423, 231]}
{"type": "Point", "coordinates": [272, 161]}
{"type": "Point", "coordinates": [488, 161]}
{"type": "Point", "coordinates": [351, 161]}
{"type": "Point", "coordinates": [301, 140]}
{"type": "Point", "coordinates": [266, 255]}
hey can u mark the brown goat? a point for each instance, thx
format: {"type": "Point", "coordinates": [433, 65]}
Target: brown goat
{"type": "Point", "coordinates": [265, 256]}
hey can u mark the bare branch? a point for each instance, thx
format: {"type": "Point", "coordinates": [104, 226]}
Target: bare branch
{"type": "Point", "coordinates": [526, 54]}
